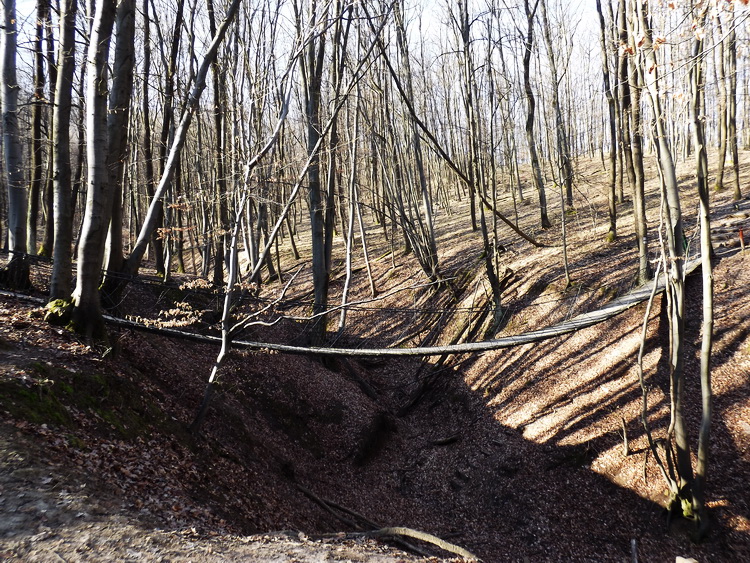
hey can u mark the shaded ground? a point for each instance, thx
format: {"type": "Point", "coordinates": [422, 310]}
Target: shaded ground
{"type": "Point", "coordinates": [513, 454]}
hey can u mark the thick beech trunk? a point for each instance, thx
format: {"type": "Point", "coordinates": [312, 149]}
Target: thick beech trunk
{"type": "Point", "coordinates": [16, 273]}
{"type": "Point", "coordinates": [60, 286]}
{"type": "Point", "coordinates": [117, 126]}
{"type": "Point", "coordinates": [87, 315]}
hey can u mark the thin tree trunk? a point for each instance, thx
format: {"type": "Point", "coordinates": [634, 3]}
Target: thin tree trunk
{"type": "Point", "coordinates": [732, 109]}
{"type": "Point", "coordinates": [148, 155]}
{"type": "Point", "coordinates": [226, 321]}
{"type": "Point", "coordinates": [222, 209]}
{"type": "Point", "coordinates": [313, 76]}
{"type": "Point", "coordinates": [625, 98]}
{"type": "Point", "coordinates": [721, 81]}
{"type": "Point", "coordinates": [697, 103]}
{"type": "Point", "coordinates": [676, 255]}
{"type": "Point", "coordinates": [37, 140]}
{"type": "Point", "coordinates": [352, 211]}
{"type": "Point", "coordinates": [563, 149]}
{"type": "Point", "coordinates": [612, 234]}
{"type": "Point", "coordinates": [167, 125]}
{"type": "Point", "coordinates": [531, 103]}
{"type": "Point", "coordinates": [49, 189]}
{"type": "Point", "coordinates": [639, 194]}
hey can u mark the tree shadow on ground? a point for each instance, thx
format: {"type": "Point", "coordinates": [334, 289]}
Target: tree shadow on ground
{"type": "Point", "coordinates": [577, 426]}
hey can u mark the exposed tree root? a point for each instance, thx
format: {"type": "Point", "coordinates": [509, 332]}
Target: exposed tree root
{"type": "Point", "coordinates": [377, 531]}
{"type": "Point", "coordinates": [425, 537]}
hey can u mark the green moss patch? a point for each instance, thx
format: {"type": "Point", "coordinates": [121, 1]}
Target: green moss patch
{"type": "Point", "coordinates": [33, 402]}
{"type": "Point", "coordinates": [59, 312]}
{"type": "Point", "coordinates": [53, 396]}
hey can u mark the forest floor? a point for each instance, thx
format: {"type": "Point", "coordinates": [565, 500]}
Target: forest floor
{"type": "Point", "coordinates": [514, 454]}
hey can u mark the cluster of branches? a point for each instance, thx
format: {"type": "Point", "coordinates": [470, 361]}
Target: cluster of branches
{"type": "Point", "coordinates": [352, 103]}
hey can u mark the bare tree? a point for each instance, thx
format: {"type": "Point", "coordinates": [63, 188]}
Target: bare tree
{"type": "Point", "coordinates": [721, 82]}
{"type": "Point", "coordinates": [680, 475]}
{"type": "Point", "coordinates": [427, 246]}
{"type": "Point", "coordinates": [16, 273]}
{"type": "Point", "coordinates": [528, 46]}
{"type": "Point", "coordinates": [37, 137]}
{"type": "Point", "coordinates": [697, 105]}
{"type": "Point", "coordinates": [151, 220]}
{"type": "Point", "coordinates": [86, 314]}
{"type": "Point", "coordinates": [636, 162]}
{"type": "Point", "coordinates": [312, 71]}
{"type": "Point", "coordinates": [60, 286]}
{"type": "Point", "coordinates": [732, 103]}
{"type": "Point", "coordinates": [117, 127]}
{"type": "Point", "coordinates": [476, 173]}
{"type": "Point", "coordinates": [219, 77]}
{"type": "Point", "coordinates": [45, 248]}
{"type": "Point", "coordinates": [561, 133]}
{"type": "Point", "coordinates": [612, 234]}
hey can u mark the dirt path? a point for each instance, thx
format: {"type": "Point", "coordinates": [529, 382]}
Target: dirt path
{"type": "Point", "coordinates": [50, 513]}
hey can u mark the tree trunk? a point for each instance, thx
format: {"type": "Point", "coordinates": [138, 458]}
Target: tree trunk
{"type": "Point", "coordinates": [639, 195]}
{"type": "Point", "coordinates": [563, 149]}
{"type": "Point", "coordinates": [313, 77]}
{"type": "Point", "coordinates": [612, 234]}
{"type": "Point", "coordinates": [60, 286]}
{"type": "Point", "coordinates": [87, 316]}
{"type": "Point", "coordinates": [531, 103]}
{"type": "Point", "coordinates": [16, 273]}
{"type": "Point", "coordinates": [732, 105]}
{"type": "Point", "coordinates": [157, 242]}
{"type": "Point", "coordinates": [631, 85]}
{"type": "Point", "coordinates": [697, 103]}
{"type": "Point", "coordinates": [676, 259]}
{"type": "Point", "coordinates": [117, 127]}
{"type": "Point", "coordinates": [721, 81]}
{"type": "Point", "coordinates": [625, 98]}
{"type": "Point", "coordinates": [37, 140]}
{"type": "Point", "coordinates": [219, 76]}
{"type": "Point", "coordinates": [148, 154]}
{"type": "Point", "coordinates": [353, 204]}
{"type": "Point", "coordinates": [49, 189]}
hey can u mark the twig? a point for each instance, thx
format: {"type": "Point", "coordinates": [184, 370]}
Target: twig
{"type": "Point", "coordinates": [368, 300]}
{"type": "Point", "coordinates": [247, 321]}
